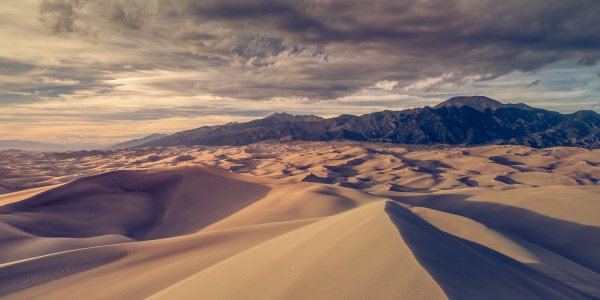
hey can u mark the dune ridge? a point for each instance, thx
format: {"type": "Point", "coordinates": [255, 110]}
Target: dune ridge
{"type": "Point", "coordinates": [371, 167]}
{"type": "Point", "coordinates": [191, 230]}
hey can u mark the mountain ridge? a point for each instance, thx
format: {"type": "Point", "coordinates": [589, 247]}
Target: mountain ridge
{"type": "Point", "coordinates": [137, 142]}
{"type": "Point", "coordinates": [480, 103]}
{"type": "Point", "coordinates": [474, 120]}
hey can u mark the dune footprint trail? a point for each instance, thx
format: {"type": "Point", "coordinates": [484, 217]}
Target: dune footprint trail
{"type": "Point", "coordinates": [203, 233]}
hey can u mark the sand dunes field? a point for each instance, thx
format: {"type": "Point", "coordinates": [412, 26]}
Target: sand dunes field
{"type": "Point", "coordinates": [301, 221]}
{"type": "Point", "coordinates": [363, 166]}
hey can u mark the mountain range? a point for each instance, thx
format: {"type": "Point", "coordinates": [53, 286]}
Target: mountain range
{"type": "Point", "coordinates": [473, 120]}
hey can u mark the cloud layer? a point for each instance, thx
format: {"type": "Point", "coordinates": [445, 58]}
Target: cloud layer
{"type": "Point", "coordinates": [131, 52]}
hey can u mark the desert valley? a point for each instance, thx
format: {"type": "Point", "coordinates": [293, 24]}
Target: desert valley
{"type": "Point", "coordinates": [300, 149]}
{"type": "Point", "coordinates": [301, 220]}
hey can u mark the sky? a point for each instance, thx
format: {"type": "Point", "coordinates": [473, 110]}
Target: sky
{"type": "Point", "coordinates": [105, 71]}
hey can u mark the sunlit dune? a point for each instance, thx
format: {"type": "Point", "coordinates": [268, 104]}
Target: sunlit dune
{"type": "Point", "coordinates": [364, 166]}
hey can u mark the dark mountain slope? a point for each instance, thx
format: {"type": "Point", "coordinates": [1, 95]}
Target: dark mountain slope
{"type": "Point", "coordinates": [137, 142]}
{"type": "Point", "coordinates": [458, 121]}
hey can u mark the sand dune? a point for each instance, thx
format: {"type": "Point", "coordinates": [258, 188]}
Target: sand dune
{"type": "Point", "coordinates": [411, 259]}
{"type": "Point", "coordinates": [310, 221]}
{"type": "Point", "coordinates": [364, 166]}
{"type": "Point", "coordinates": [161, 203]}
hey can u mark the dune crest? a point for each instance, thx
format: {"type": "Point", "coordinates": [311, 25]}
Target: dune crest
{"type": "Point", "coordinates": [363, 166]}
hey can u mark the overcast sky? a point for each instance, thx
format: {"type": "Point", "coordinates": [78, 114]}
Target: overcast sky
{"type": "Point", "coordinates": [110, 70]}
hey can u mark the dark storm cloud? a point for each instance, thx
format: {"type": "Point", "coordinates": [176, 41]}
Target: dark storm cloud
{"type": "Point", "coordinates": [288, 15]}
{"type": "Point", "coordinates": [330, 49]}
{"type": "Point", "coordinates": [407, 40]}
{"type": "Point", "coordinates": [551, 23]}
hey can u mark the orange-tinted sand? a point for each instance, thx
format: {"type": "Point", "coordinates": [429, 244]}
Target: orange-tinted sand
{"type": "Point", "coordinates": [307, 221]}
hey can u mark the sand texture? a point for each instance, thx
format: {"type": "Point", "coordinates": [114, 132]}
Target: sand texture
{"type": "Point", "coordinates": [301, 221]}
{"type": "Point", "coordinates": [364, 166]}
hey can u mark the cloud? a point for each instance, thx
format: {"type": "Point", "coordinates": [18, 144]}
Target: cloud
{"type": "Point", "coordinates": [432, 83]}
{"type": "Point", "coordinates": [59, 16]}
{"type": "Point", "coordinates": [260, 51]}
{"type": "Point", "coordinates": [330, 49]}
{"type": "Point", "coordinates": [408, 41]}
{"type": "Point", "coordinates": [13, 67]}
{"type": "Point", "coordinates": [127, 16]}
{"type": "Point", "coordinates": [533, 83]}
{"type": "Point", "coordinates": [386, 84]}
{"type": "Point", "coordinates": [382, 54]}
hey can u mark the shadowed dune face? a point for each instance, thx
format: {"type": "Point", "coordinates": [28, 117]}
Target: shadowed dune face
{"type": "Point", "coordinates": [494, 222]}
{"type": "Point", "coordinates": [466, 270]}
{"type": "Point", "coordinates": [136, 204]}
{"type": "Point", "coordinates": [575, 241]}
{"type": "Point", "coordinates": [124, 206]}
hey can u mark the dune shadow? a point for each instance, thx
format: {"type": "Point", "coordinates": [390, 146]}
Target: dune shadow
{"type": "Point", "coordinates": [577, 242]}
{"type": "Point", "coordinates": [27, 274]}
{"type": "Point", "coordinates": [467, 270]}
{"type": "Point", "coordinates": [137, 204]}
{"type": "Point", "coordinates": [325, 180]}
{"type": "Point", "coordinates": [505, 161]}
{"type": "Point", "coordinates": [468, 182]}
{"type": "Point", "coordinates": [506, 180]}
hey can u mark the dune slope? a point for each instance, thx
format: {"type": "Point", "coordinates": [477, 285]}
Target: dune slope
{"type": "Point", "coordinates": [200, 232]}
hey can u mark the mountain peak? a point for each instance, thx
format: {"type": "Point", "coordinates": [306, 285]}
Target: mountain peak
{"type": "Point", "coordinates": [277, 115]}
{"type": "Point", "coordinates": [586, 112]}
{"type": "Point", "coordinates": [588, 115]}
{"type": "Point", "coordinates": [480, 103]}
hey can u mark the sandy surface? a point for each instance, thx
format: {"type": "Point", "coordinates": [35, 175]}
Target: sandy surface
{"type": "Point", "coordinates": [301, 221]}
{"type": "Point", "coordinates": [363, 166]}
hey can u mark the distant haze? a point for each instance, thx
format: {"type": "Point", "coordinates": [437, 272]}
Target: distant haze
{"type": "Point", "coordinates": [38, 146]}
